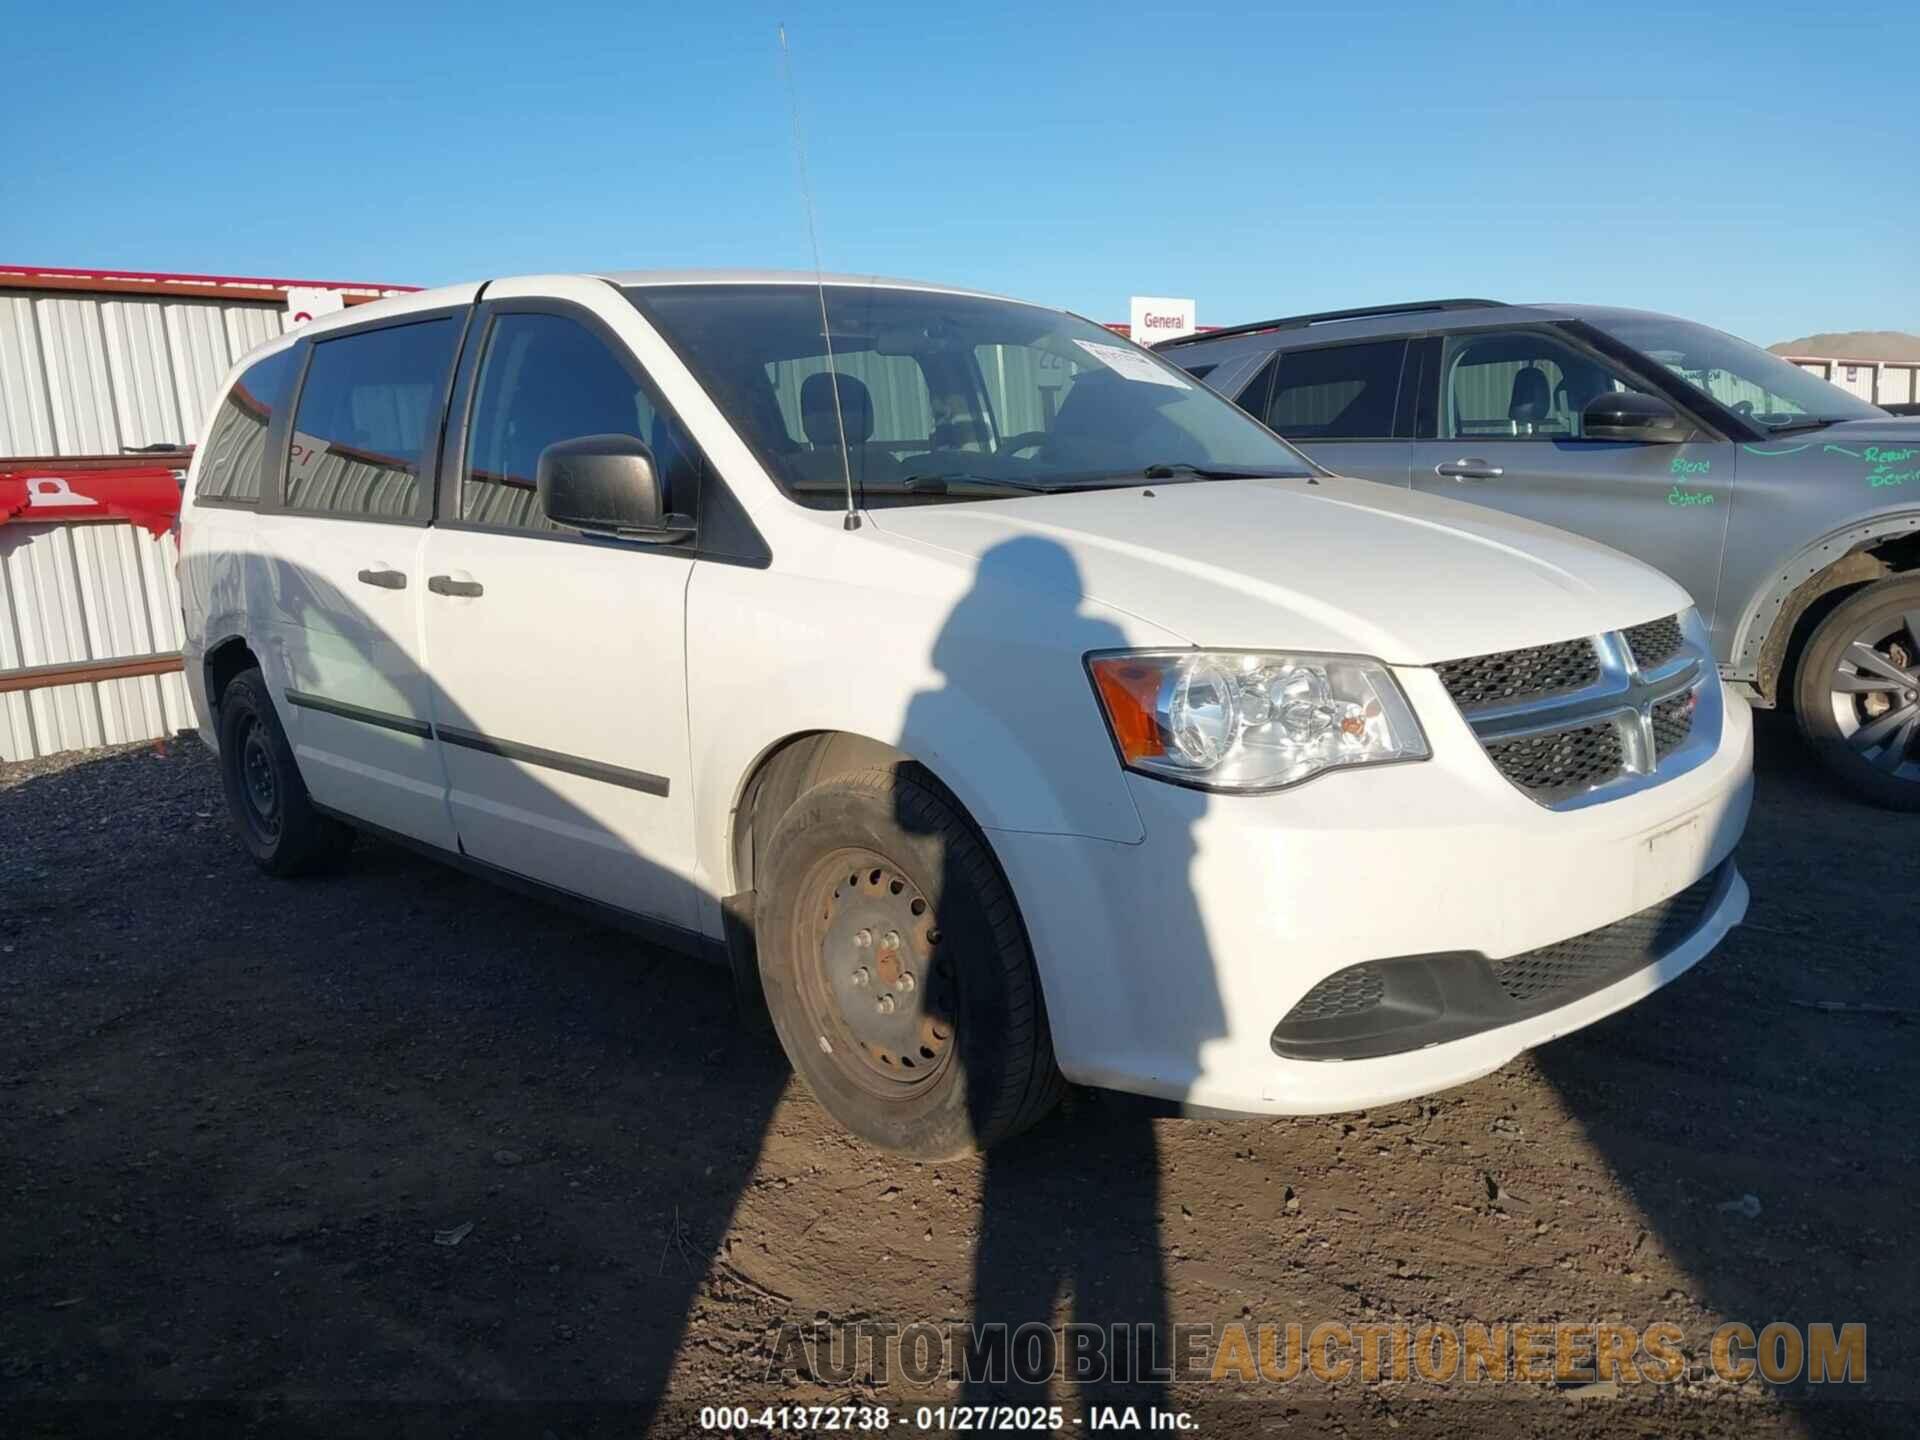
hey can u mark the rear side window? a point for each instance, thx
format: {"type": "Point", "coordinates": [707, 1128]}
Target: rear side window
{"type": "Point", "coordinates": [368, 413]}
{"type": "Point", "coordinates": [1344, 392]}
{"type": "Point", "coordinates": [545, 379]}
{"type": "Point", "coordinates": [230, 465]}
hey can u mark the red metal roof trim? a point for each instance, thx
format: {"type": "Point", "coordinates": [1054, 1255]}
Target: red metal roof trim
{"type": "Point", "coordinates": [166, 277]}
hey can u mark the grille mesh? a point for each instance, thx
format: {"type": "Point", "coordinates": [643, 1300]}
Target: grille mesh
{"type": "Point", "coordinates": [1507, 675]}
{"type": "Point", "coordinates": [1656, 642]}
{"type": "Point", "coordinates": [1586, 961]}
{"type": "Point", "coordinates": [1345, 992]}
{"type": "Point", "coordinates": [1672, 723]}
{"type": "Point", "coordinates": [1566, 762]}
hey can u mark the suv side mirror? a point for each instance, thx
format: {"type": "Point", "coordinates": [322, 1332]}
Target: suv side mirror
{"type": "Point", "coordinates": [607, 485]}
{"type": "Point", "coordinates": [1629, 415]}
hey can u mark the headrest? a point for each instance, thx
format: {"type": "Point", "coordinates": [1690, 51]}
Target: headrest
{"type": "Point", "coordinates": [816, 409]}
{"type": "Point", "coordinates": [1532, 397]}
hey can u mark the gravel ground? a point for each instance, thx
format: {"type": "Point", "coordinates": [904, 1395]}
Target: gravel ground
{"type": "Point", "coordinates": [235, 1114]}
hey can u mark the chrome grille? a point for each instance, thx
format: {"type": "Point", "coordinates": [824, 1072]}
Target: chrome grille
{"type": "Point", "coordinates": [1561, 763]}
{"type": "Point", "coordinates": [1672, 724]}
{"type": "Point", "coordinates": [1586, 961]}
{"type": "Point", "coordinates": [1509, 675]}
{"type": "Point", "coordinates": [1593, 717]}
{"type": "Point", "coordinates": [1656, 642]}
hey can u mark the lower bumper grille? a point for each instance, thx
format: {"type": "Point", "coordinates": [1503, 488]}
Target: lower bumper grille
{"type": "Point", "coordinates": [1388, 1007]}
{"type": "Point", "coordinates": [1556, 973]}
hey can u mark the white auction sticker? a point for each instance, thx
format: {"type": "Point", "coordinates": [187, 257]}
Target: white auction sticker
{"type": "Point", "coordinates": [1132, 365]}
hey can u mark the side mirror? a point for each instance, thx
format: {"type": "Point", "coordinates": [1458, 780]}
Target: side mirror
{"type": "Point", "coordinates": [607, 485]}
{"type": "Point", "coordinates": [1629, 415]}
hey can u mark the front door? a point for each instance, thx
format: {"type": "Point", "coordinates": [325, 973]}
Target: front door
{"type": "Point", "coordinates": [338, 587]}
{"type": "Point", "coordinates": [559, 659]}
{"type": "Point", "coordinates": [1506, 433]}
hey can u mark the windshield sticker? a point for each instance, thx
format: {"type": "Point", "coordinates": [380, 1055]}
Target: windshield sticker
{"type": "Point", "coordinates": [1132, 365]}
{"type": "Point", "coordinates": [1682, 496]}
{"type": "Point", "coordinates": [1684, 466]}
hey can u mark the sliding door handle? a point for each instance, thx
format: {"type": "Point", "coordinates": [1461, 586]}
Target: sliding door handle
{"type": "Point", "coordinates": [385, 579]}
{"type": "Point", "coordinates": [1469, 470]}
{"type": "Point", "coordinates": [447, 585]}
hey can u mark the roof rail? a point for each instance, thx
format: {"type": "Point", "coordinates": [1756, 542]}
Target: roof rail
{"type": "Point", "coordinates": [1365, 312]}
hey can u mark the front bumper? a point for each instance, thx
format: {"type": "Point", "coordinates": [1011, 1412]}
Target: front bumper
{"type": "Point", "coordinates": [1167, 964]}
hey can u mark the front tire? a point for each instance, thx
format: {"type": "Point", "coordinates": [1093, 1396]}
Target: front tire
{"type": "Point", "coordinates": [272, 812]}
{"type": "Point", "coordinates": [1857, 693]}
{"type": "Point", "coordinates": [897, 971]}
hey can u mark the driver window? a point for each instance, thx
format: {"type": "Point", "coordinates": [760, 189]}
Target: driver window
{"type": "Point", "coordinates": [1518, 385]}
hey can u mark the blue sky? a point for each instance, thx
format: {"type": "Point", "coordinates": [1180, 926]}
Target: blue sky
{"type": "Point", "coordinates": [1751, 166]}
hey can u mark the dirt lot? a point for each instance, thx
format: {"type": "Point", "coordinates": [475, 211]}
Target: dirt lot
{"type": "Point", "coordinates": [235, 1114]}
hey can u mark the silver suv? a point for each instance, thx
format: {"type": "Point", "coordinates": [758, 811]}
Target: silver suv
{"type": "Point", "coordinates": [1789, 508]}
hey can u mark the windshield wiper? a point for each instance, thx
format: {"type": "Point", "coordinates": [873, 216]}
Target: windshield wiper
{"type": "Point", "coordinates": [1174, 469]}
{"type": "Point", "coordinates": [1787, 427]}
{"type": "Point", "coordinates": [936, 483]}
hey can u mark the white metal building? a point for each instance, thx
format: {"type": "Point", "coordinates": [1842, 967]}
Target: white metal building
{"type": "Point", "coordinates": [94, 364]}
{"type": "Point", "coordinates": [1880, 382]}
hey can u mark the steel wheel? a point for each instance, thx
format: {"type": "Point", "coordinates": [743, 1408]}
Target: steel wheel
{"type": "Point", "coordinates": [259, 783]}
{"type": "Point", "coordinates": [871, 981]}
{"type": "Point", "coordinates": [1875, 695]}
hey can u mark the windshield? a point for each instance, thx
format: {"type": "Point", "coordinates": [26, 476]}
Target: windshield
{"type": "Point", "coordinates": [1767, 390]}
{"type": "Point", "coordinates": [946, 398]}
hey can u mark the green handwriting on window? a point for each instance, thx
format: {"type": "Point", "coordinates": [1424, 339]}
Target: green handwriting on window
{"type": "Point", "coordinates": [1684, 466]}
{"type": "Point", "coordinates": [1682, 496]}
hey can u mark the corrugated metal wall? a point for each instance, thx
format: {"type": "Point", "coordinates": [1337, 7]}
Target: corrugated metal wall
{"type": "Point", "coordinates": [88, 374]}
{"type": "Point", "coordinates": [87, 592]}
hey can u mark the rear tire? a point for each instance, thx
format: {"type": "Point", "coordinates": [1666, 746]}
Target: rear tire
{"type": "Point", "coordinates": [272, 812]}
{"type": "Point", "coordinates": [897, 971]}
{"type": "Point", "coordinates": [1857, 693]}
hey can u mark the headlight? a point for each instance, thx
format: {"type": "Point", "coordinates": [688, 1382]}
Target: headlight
{"type": "Point", "coordinates": [1223, 720]}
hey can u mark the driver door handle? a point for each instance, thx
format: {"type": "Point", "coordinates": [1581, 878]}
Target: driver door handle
{"type": "Point", "coordinates": [447, 585]}
{"type": "Point", "coordinates": [1468, 470]}
{"type": "Point", "coordinates": [384, 578]}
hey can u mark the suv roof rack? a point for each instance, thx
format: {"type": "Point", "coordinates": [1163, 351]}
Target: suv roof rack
{"type": "Point", "coordinates": [1365, 312]}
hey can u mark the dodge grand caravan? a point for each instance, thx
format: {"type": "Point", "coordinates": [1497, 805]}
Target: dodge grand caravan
{"type": "Point", "coordinates": [1004, 706]}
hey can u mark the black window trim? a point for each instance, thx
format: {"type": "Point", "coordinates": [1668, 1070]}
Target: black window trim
{"type": "Point", "coordinates": [714, 496]}
{"type": "Point", "coordinates": [436, 424]}
{"type": "Point", "coordinates": [258, 504]}
{"type": "Point", "coordinates": [1575, 337]}
{"type": "Point", "coordinates": [1272, 373]}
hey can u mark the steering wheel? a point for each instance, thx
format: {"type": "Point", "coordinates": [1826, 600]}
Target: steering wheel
{"type": "Point", "coordinates": [1028, 440]}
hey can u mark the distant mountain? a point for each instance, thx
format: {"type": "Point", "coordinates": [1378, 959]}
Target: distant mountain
{"type": "Point", "coordinates": [1855, 345]}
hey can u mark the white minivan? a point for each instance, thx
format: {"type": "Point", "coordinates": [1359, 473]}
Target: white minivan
{"type": "Point", "coordinates": [1001, 703]}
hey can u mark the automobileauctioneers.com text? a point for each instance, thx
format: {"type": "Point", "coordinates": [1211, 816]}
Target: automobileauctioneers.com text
{"type": "Point", "coordinates": [990, 1356]}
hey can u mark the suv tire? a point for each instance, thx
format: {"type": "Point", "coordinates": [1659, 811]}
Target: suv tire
{"type": "Point", "coordinates": [272, 812]}
{"type": "Point", "coordinates": [1857, 693]}
{"type": "Point", "coordinates": [897, 971]}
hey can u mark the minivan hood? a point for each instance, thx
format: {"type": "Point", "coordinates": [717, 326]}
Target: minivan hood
{"type": "Point", "coordinates": [1333, 565]}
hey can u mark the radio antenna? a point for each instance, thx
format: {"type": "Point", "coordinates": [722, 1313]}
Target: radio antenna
{"type": "Point", "coordinates": [852, 520]}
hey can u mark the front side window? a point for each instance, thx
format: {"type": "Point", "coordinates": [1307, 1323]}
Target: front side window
{"type": "Point", "coordinates": [230, 465]}
{"type": "Point", "coordinates": [368, 410]}
{"type": "Point", "coordinates": [1773, 393]}
{"type": "Point", "coordinates": [545, 379]}
{"type": "Point", "coordinates": [944, 398]}
{"type": "Point", "coordinates": [1342, 392]}
{"type": "Point", "coordinates": [1518, 385]}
